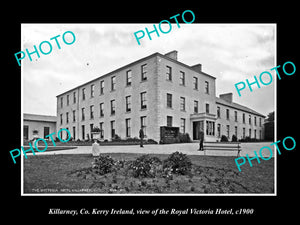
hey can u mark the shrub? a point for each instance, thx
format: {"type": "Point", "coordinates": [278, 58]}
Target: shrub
{"type": "Point", "coordinates": [178, 163]}
{"type": "Point", "coordinates": [116, 138]}
{"type": "Point", "coordinates": [184, 138]}
{"type": "Point", "coordinates": [224, 138]}
{"type": "Point", "coordinates": [145, 166]}
{"type": "Point", "coordinates": [234, 138]}
{"type": "Point", "coordinates": [103, 164]}
{"type": "Point", "coordinates": [151, 141]}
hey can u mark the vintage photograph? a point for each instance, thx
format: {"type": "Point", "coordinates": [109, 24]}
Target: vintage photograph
{"type": "Point", "coordinates": [105, 115]}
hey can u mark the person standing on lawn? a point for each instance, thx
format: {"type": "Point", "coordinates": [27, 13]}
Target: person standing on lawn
{"type": "Point", "coordinates": [201, 139]}
{"type": "Point", "coordinates": [141, 135]}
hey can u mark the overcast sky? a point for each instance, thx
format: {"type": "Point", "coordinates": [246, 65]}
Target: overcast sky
{"type": "Point", "coordinates": [229, 52]}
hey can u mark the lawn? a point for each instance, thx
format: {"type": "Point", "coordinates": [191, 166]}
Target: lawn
{"type": "Point", "coordinates": [210, 174]}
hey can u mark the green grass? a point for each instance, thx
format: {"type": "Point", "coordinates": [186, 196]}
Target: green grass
{"type": "Point", "coordinates": [210, 174]}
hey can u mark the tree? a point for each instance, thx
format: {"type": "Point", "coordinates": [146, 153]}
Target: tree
{"type": "Point", "coordinates": [269, 127]}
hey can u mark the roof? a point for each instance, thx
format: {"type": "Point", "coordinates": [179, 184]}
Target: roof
{"type": "Point", "coordinates": [36, 117]}
{"type": "Point", "coordinates": [135, 62]}
{"type": "Point", "coordinates": [237, 106]}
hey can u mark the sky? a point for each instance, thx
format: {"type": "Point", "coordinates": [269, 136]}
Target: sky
{"type": "Point", "coordinates": [230, 52]}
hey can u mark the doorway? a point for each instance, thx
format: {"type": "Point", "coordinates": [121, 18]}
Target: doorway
{"type": "Point", "coordinates": [196, 129]}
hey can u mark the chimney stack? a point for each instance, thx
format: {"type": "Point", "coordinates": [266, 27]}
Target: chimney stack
{"type": "Point", "coordinates": [227, 97]}
{"type": "Point", "coordinates": [197, 67]}
{"type": "Point", "coordinates": [172, 55]}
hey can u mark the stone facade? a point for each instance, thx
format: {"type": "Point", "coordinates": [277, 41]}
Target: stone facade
{"type": "Point", "coordinates": [154, 91]}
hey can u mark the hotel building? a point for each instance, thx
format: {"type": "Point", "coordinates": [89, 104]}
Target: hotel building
{"type": "Point", "coordinates": [155, 91]}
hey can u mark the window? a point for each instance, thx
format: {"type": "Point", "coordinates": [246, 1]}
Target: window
{"type": "Point", "coordinates": [195, 106]}
{"type": "Point", "coordinates": [143, 100]}
{"type": "Point", "coordinates": [112, 107]}
{"type": "Point", "coordinates": [68, 99]}
{"type": "Point", "coordinates": [128, 127]}
{"type": "Point", "coordinates": [61, 118]}
{"type": "Point", "coordinates": [210, 128]}
{"type": "Point", "coordinates": [235, 116]}
{"type": "Point", "coordinates": [25, 132]}
{"type": "Point", "coordinates": [61, 102]}
{"type": "Point", "coordinates": [128, 103]}
{"type": "Point", "coordinates": [244, 132]}
{"type": "Point", "coordinates": [243, 117]}
{"type": "Point", "coordinates": [74, 97]}
{"type": "Point", "coordinates": [169, 121]}
{"type": "Point", "coordinates": [74, 132]}
{"type": "Point", "coordinates": [83, 93]}
{"type": "Point", "coordinates": [195, 83]}
{"type": "Point", "coordinates": [260, 137]}
{"type": "Point", "coordinates": [260, 122]}
{"type": "Point", "coordinates": [169, 73]}
{"type": "Point", "coordinates": [144, 72]}
{"type": "Point", "coordinates": [91, 112]}
{"type": "Point", "coordinates": [207, 108]}
{"type": "Point", "coordinates": [101, 87]}
{"type": "Point", "coordinates": [228, 131]}
{"type": "Point", "coordinates": [92, 90]}
{"type": "Point", "coordinates": [182, 103]}
{"type": "Point", "coordinates": [182, 78]}
{"type": "Point", "coordinates": [218, 112]}
{"type": "Point", "coordinates": [82, 114]}
{"type": "Point", "coordinates": [101, 109]}
{"type": "Point", "coordinates": [182, 125]}
{"type": "Point", "coordinates": [101, 130]}
{"type": "Point", "coordinates": [206, 87]}
{"type": "Point", "coordinates": [67, 117]}
{"type": "Point", "coordinates": [128, 78]}
{"type": "Point", "coordinates": [112, 129]}
{"type": "Point", "coordinates": [227, 114]}
{"type": "Point", "coordinates": [169, 100]}
{"type": "Point", "coordinates": [83, 132]}
{"type": "Point", "coordinates": [249, 133]}
{"type": "Point", "coordinates": [255, 133]}
{"type": "Point", "coordinates": [249, 119]}
{"type": "Point", "coordinates": [219, 130]}
{"type": "Point", "coordinates": [74, 115]}
{"type": "Point", "coordinates": [255, 120]}
{"type": "Point", "coordinates": [235, 131]}
{"type": "Point", "coordinates": [46, 131]}
{"type": "Point", "coordinates": [143, 124]}
{"type": "Point", "coordinates": [91, 129]}
{"type": "Point", "coordinates": [113, 83]}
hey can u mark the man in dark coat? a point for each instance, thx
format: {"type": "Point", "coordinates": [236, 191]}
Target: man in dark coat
{"type": "Point", "coordinates": [141, 137]}
{"type": "Point", "coordinates": [201, 139]}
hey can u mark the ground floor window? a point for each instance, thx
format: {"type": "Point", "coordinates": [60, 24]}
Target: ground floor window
{"type": "Point", "coordinates": [83, 132]}
{"type": "Point", "coordinates": [128, 128]}
{"type": "Point", "coordinates": [74, 133]}
{"type": "Point", "coordinates": [228, 131]}
{"type": "Point", "coordinates": [235, 131]}
{"type": "Point", "coordinates": [101, 130]}
{"type": "Point", "coordinates": [219, 130]}
{"type": "Point", "coordinates": [46, 131]}
{"type": "Point", "coordinates": [182, 125]}
{"type": "Point", "coordinates": [143, 124]}
{"type": "Point", "coordinates": [112, 127]}
{"type": "Point", "coordinates": [25, 132]}
{"type": "Point", "coordinates": [210, 128]}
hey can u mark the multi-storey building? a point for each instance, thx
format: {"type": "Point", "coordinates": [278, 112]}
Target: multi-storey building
{"type": "Point", "coordinates": [151, 92]}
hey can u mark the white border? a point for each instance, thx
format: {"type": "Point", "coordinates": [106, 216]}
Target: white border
{"type": "Point", "coordinates": [242, 194]}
